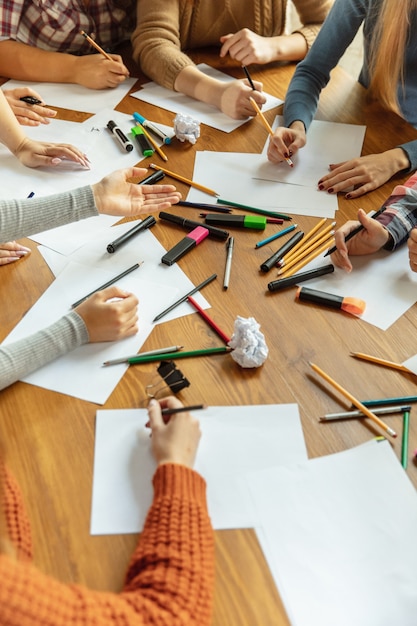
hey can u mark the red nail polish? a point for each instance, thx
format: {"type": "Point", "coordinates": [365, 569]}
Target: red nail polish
{"type": "Point", "coordinates": [321, 187]}
{"type": "Point", "coordinates": [348, 196]}
{"type": "Point", "coordinates": [331, 190]}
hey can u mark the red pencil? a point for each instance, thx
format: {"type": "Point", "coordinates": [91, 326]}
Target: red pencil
{"type": "Point", "coordinates": [208, 319]}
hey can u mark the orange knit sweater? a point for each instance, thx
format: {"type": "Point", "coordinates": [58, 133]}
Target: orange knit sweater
{"type": "Point", "coordinates": [169, 582]}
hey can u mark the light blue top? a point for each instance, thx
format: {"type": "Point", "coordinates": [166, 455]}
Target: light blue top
{"type": "Point", "coordinates": [339, 29]}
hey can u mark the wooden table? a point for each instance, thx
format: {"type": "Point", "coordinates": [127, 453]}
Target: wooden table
{"type": "Point", "coordinates": [50, 437]}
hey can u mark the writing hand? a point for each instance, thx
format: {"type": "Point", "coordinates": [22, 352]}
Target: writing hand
{"type": "Point", "coordinates": [235, 101]}
{"type": "Point", "coordinates": [286, 142]}
{"type": "Point", "coordinates": [96, 72]}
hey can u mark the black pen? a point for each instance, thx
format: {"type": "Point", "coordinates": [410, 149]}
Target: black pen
{"type": "Point", "coordinates": [119, 134]}
{"type": "Point", "coordinates": [148, 222]}
{"type": "Point", "coordinates": [250, 81]}
{"type": "Point", "coordinates": [153, 178]}
{"type": "Point", "coordinates": [184, 298]}
{"type": "Point", "coordinates": [30, 100]}
{"type": "Point", "coordinates": [229, 246]}
{"type": "Point", "coordinates": [182, 409]}
{"type": "Point", "coordinates": [109, 282]}
{"type": "Point", "coordinates": [203, 205]}
{"type": "Point", "coordinates": [355, 231]}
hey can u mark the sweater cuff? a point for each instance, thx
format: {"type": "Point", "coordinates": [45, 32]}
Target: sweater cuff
{"type": "Point", "coordinates": [172, 478]}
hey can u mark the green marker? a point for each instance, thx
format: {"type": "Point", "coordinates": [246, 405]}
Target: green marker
{"type": "Point", "coordinates": [237, 221]}
{"type": "Point", "coordinates": [142, 140]}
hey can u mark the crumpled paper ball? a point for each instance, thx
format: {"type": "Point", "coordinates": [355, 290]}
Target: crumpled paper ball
{"type": "Point", "coordinates": [186, 129]}
{"type": "Point", "coordinates": [248, 343]}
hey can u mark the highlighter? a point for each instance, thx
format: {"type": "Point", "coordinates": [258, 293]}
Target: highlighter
{"type": "Point", "coordinates": [152, 127]}
{"type": "Point", "coordinates": [189, 242]}
{"type": "Point", "coordinates": [239, 221]}
{"type": "Point", "coordinates": [143, 142]}
{"type": "Point", "coordinates": [216, 233]}
{"type": "Point", "coordinates": [354, 306]}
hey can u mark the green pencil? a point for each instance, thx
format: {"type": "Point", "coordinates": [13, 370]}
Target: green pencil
{"type": "Point", "coordinates": [386, 401]}
{"type": "Point", "coordinates": [254, 209]}
{"type": "Point", "coordinates": [177, 355]}
{"type": "Point", "coordinates": [404, 443]}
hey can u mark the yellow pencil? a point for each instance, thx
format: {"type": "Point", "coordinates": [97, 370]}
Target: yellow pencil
{"type": "Point", "coordinates": [378, 361]}
{"type": "Point", "coordinates": [153, 143]}
{"type": "Point", "coordinates": [266, 124]}
{"type": "Point", "coordinates": [302, 241]}
{"type": "Point", "coordinates": [308, 246]}
{"type": "Point", "coordinates": [184, 180]}
{"type": "Point", "coordinates": [353, 400]}
{"type": "Point", "coordinates": [307, 259]}
{"type": "Point", "coordinates": [96, 46]}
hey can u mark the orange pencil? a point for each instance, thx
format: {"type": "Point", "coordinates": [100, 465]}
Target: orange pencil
{"type": "Point", "coordinates": [96, 46]}
{"type": "Point", "coordinates": [305, 244]}
{"type": "Point", "coordinates": [378, 361]}
{"type": "Point", "coordinates": [303, 241]}
{"type": "Point", "coordinates": [266, 124]}
{"type": "Point", "coordinates": [184, 180]}
{"type": "Point", "coordinates": [305, 251]}
{"type": "Point", "coordinates": [308, 258]}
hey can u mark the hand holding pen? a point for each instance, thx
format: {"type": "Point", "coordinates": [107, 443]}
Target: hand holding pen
{"type": "Point", "coordinates": [28, 106]}
{"type": "Point", "coordinates": [285, 142]}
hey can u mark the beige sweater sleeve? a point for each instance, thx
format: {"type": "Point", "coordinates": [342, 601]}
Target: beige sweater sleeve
{"type": "Point", "coordinates": [311, 14]}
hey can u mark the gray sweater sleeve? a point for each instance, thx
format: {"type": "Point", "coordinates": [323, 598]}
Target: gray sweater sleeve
{"type": "Point", "coordinates": [20, 218]}
{"type": "Point", "coordinates": [22, 357]}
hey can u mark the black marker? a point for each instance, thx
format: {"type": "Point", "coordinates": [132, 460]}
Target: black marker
{"type": "Point", "coordinates": [30, 100]}
{"type": "Point", "coordinates": [152, 178]}
{"type": "Point", "coordinates": [273, 260]}
{"type": "Point", "coordinates": [282, 283]}
{"type": "Point", "coordinates": [148, 222]}
{"type": "Point", "coordinates": [119, 134]}
{"type": "Point", "coordinates": [215, 232]}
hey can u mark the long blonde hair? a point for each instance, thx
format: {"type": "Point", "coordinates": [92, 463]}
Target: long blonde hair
{"type": "Point", "coordinates": [387, 51]}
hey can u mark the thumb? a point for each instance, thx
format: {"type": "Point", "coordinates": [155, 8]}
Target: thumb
{"type": "Point", "coordinates": [367, 221]}
{"type": "Point", "coordinates": [155, 415]}
{"type": "Point", "coordinates": [114, 292]}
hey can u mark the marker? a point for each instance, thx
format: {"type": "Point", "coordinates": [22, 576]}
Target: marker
{"type": "Point", "coordinates": [238, 221]}
{"type": "Point", "coordinates": [276, 236]}
{"type": "Point", "coordinates": [148, 222]}
{"type": "Point", "coordinates": [144, 145]}
{"type": "Point", "coordinates": [150, 126]}
{"type": "Point", "coordinates": [120, 136]}
{"type": "Point", "coordinates": [184, 298]}
{"type": "Point", "coordinates": [356, 230]}
{"type": "Point", "coordinates": [354, 306]}
{"type": "Point", "coordinates": [30, 100]}
{"type": "Point", "coordinates": [273, 260]}
{"type": "Point", "coordinates": [189, 242]}
{"type": "Point", "coordinates": [110, 282]}
{"type": "Point", "coordinates": [230, 245]}
{"type": "Point", "coordinates": [152, 178]}
{"type": "Point", "coordinates": [253, 209]}
{"type": "Point", "coordinates": [282, 283]}
{"type": "Point", "coordinates": [216, 233]}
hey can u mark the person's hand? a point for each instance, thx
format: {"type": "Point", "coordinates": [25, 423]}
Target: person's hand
{"type": "Point", "coordinates": [114, 195]}
{"type": "Point", "coordinates": [235, 101]}
{"type": "Point", "coordinates": [369, 240]}
{"type": "Point", "coordinates": [96, 72]}
{"type": "Point", "coordinates": [247, 47]}
{"type": "Point", "coordinates": [175, 437]}
{"type": "Point", "coordinates": [28, 114]}
{"type": "Point", "coordinates": [110, 314]}
{"type": "Point", "coordinates": [364, 173]}
{"type": "Point", "coordinates": [412, 249]}
{"type": "Point", "coordinates": [285, 142]}
{"type": "Point", "coordinates": [44, 154]}
{"type": "Point", "coordinates": [12, 251]}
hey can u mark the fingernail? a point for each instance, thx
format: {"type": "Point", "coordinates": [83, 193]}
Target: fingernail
{"type": "Point", "coordinates": [152, 402]}
{"type": "Point", "coordinates": [348, 196]}
{"type": "Point", "coordinates": [321, 187]}
{"type": "Point", "coordinates": [331, 190]}
{"type": "Point", "coordinates": [286, 155]}
{"type": "Point", "coordinates": [56, 161]}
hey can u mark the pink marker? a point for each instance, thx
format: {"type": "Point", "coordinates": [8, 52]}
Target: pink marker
{"type": "Point", "coordinates": [185, 245]}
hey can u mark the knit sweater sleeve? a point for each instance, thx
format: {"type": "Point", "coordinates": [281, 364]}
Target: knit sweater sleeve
{"type": "Point", "coordinates": [20, 218]}
{"type": "Point", "coordinates": [20, 358]}
{"type": "Point", "coordinates": [170, 581]}
{"type": "Point", "coordinates": [400, 214]}
{"type": "Point", "coordinates": [311, 15]}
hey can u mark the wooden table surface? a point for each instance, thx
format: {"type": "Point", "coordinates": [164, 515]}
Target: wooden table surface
{"type": "Point", "coordinates": [50, 437]}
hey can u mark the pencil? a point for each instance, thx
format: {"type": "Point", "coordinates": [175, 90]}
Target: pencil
{"type": "Point", "coordinates": [109, 282]}
{"type": "Point", "coordinates": [96, 46]}
{"type": "Point", "coordinates": [153, 143]}
{"type": "Point", "coordinates": [203, 205]}
{"type": "Point", "coordinates": [387, 401]}
{"type": "Point", "coordinates": [208, 319]}
{"type": "Point", "coordinates": [356, 230]}
{"type": "Point", "coordinates": [307, 259]}
{"type": "Point", "coordinates": [263, 242]}
{"type": "Point", "coordinates": [404, 441]}
{"type": "Point", "coordinates": [353, 400]}
{"type": "Point", "coordinates": [184, 297]}
{"type": "Point", "coordinates": [248, 76]}
{"type": "Point", "coordinates": [304, 240]}
{"type": "Point", "coordinates": [124, 359]}
{"type": "Point", "coordinates": [184, 180]}
{"type": "Point", "coordinates": [252, 209]}
{"type": "Point", "coordinates": [267, 125]}
{"type": "Point", "coordinates": [178, 355]}
{"type": "Point", "coordinates": [378, 361]}
{"type": "Point", "coordinates": [306, 250]}
{"type": "Point", "coordinates": [182, 409]}
{"type": "Point", "coordinates": [386, 410]}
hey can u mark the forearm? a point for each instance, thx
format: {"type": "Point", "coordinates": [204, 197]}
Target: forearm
{"type": "Point", "coordinates": [24, 62]}
{"type": "Point", "coordinates": [20, 358]}
{"type": "Point", "coordinates": [192, 82]}
{"type": "Point", "coordinates": [288, 47]}
{"type": "Point", "coordinates": [20, 218]}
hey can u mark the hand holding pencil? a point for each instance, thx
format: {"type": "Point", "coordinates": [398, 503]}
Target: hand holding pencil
{"type": "Point", "coordinates": [99, 71]}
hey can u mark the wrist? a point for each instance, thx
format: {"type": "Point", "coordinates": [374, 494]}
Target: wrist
{"type": "Point", "coordinates": [400, 160]}
{"type": "Point", "coordinates": [297, 125]}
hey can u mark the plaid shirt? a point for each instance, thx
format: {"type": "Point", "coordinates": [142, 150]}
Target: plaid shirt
{"type": "Point", "coordinates": [55, 25]}
{"type": "Point", "coordinates": [400, 215]}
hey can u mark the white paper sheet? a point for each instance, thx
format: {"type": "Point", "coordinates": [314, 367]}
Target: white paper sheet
{"type": "Point", "coordinates": [338, 533]}
{"type": "Point", "coordinates": [76, 97]}
{"type": "Point", "coordinates": [234, 440]}
{"type": "Point", "coordinates": [203, 113]}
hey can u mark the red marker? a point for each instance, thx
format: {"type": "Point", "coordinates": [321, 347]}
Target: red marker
{"type": "Point", "coordinates": [354, 306]}
{"type": "Point", "coordinates": [185, 245]}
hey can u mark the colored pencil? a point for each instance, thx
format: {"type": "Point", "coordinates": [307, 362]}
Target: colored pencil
{"type": "Point", "coordinates": [184, 180]}
{"type": "Point", "coordinates": [259, 244]}
{"type": "Point", "coordinates": [153, 142]}
{"type": "Point", "coordinates": [124, 359]}
{"type": "Point", "coordinates": [386, 410]}
{"type": "Point", "coordinates": [252, 209]}
{"type": "Point", "coordinates": [404, 441]}
{"type": "Point", "coordinates": [305, 244]}
{"type": "Point", "coordinates": [208, 319]}
{"type": "Point", "coordinates": [354, 401]}
{"type": "Point", "coordinates": [388, 401]}
{"type": "Point", "coordinates": [303, 241]}
{"type": "Point", "coordinates": [96, 46]}
{"type": "Point", "coordinates": [308, 258]}
{"type": "Point", "coordinates": [304, 252]}
{"type": "Point", "coordinates": [378, 361]}
{"type": "Point", "coordinates": [178, 355]}
{"type": "Point", "coordinates": [267, 126]}
{"type": "Point", "coordinates": [184, 297]}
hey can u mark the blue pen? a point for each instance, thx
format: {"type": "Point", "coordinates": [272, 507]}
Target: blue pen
{"type": "Point", "coordinates": [151, 127]}
{"type": "Point", "coordinates": [32, 193]}
{"type": "Point", "coordinates": [273, 237]}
